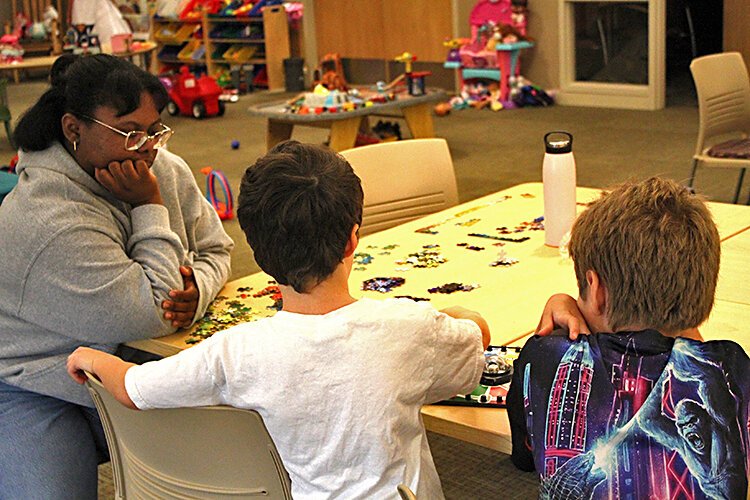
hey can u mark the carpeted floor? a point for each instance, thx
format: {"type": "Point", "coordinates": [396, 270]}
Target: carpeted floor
{"type": "Point", "coordinates": [491, 151]}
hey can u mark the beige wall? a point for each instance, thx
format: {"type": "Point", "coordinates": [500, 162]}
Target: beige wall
{"type": "Point", "coordinates": [382, 29]}
{"type": "Point", "coordinates": [541, 64]}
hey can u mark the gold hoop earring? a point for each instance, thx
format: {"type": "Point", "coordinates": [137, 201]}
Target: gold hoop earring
{"type": "Point", "coordinates": [75, 145]}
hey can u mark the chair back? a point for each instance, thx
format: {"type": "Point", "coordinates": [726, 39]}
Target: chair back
{"type": "Point", "coordinates": [209, 452]}
{"type": "Point", "coordinates": [723, 89]}
{"type": "Point", "coordinates": [403, 180]}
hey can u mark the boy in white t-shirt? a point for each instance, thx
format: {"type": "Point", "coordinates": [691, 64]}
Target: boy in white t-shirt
{"type": "Point", "coordinates": [339, 382]}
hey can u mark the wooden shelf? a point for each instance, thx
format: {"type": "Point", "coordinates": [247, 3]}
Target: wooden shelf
{"type": "Point", "coordinates": [175, 20]}
{"type": "Point", "coordinates": [169, 60]}
{"type": "Point", "coordinates": [232, 63]}
{"type": "Point", "coordinates": [274, 44]}
{"type": "Point", "coordinates": [242, 20]}
{"type": "Point", "coordinates": [238, 40]}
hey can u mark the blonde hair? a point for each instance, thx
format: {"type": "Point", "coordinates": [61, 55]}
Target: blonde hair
{"type": "Point", "coordinates": [655, 248]}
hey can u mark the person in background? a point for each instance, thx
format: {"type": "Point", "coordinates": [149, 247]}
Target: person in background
{"type": "Point", "coordinates": [105, 239]}
{"type": "Point", "coordinates": [642, 408]}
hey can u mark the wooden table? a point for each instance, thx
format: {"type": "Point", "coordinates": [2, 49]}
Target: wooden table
{"type": "Point", "coordinates": [510, 298]}
{"type": "Point", "coordinates": [144, 52]}
{"type": "Point", "coordinates": [417, 111]}
{"type": "Point", "coordinates": [28, 63]}
{"type": "Point", "coordinates": [47, 61]}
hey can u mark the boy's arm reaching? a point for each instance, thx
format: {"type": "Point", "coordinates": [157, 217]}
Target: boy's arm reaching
{"type": "Point", "coordinates": [459, 312]}
{"type": "Point", "coordinates": [561, 310]}
{"type": "Point", "coordinates": [106, 367]}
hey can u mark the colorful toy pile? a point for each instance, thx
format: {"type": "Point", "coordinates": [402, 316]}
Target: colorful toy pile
{"type": "Point", "coordinates": [193, 9]}
{"type": "Point", "coordinates": [46, 29]}
{"type": "Point", "coordinates": [321, 100]}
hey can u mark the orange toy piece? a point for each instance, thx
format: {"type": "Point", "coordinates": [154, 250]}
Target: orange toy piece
{"type": "Point", "coordinates": [330, 73]}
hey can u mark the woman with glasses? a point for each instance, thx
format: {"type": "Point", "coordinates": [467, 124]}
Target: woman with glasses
{"type": "Point", "coordinates": [106, 239]}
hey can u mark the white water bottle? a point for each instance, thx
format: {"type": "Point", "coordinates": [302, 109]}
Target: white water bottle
{"type": "Point", "coordinates": [559, 179]}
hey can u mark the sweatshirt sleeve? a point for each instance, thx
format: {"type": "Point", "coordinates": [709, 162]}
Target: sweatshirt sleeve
{"type": "Point", "coordinates": [83, 285]}
{"type": "Point", "coordinates": [208, 244]}
{"type": "Point", "coordinates": [211, 258]}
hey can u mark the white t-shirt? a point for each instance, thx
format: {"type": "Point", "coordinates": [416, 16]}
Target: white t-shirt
{"type": "Point", "coordinates": [340, 393]}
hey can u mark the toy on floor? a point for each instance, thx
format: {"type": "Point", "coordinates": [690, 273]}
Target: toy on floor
{"type": "Point", "coordinates": [225, 209]}
{"type": "Point", "coordinates": [194, 96]}
{"type": "Point", "coordinates": [235, 144]}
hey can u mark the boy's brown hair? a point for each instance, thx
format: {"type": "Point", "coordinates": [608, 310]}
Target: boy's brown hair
{"type": "Point", "coordinates": [297, 206]}
{"type": "Point", "coordinates": [656, 250]}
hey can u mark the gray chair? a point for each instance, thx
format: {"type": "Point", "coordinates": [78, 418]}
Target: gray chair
{"type": "Point", "coordinates": [723, 88]}
{"type": "Point", "coordinates": [210, 452]}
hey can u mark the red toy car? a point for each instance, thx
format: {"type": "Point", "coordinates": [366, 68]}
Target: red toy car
{"type": "Point", "coordinates": [198, 97]}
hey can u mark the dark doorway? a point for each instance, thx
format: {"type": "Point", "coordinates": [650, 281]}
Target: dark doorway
{"type": "Point", "coordinates": [694, 28]}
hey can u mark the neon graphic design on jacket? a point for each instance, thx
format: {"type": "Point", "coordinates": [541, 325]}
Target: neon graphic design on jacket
{"type": "Point", "coordinates": [633, 415]}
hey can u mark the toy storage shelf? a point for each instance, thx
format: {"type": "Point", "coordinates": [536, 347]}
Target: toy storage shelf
{"type": "Point", "coordinates": [175, 37]}
{"type": "Point", "coordinates": [236, 41]}
{"type": "Point", "coordinates": [252, 40]}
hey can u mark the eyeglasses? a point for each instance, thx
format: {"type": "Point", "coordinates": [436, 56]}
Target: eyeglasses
{"type": "Point", "coordinates": [136, 139]}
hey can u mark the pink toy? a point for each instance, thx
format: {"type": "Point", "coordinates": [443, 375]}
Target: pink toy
{"type": "Point", "coordinates": [10, 50]}
{"type": "Point", "coordinates": [498, 33]}
{"type": "Point", "coordinates": [121, 43]}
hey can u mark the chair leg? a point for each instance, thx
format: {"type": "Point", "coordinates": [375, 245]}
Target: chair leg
{"type": "Point", "coordinates": [739, 186]}
{"type": "Point", "coordinates": [603, 39]}
{"type": "Point", "coordinates": [692, 174]}
{"type": "Point", "coordinates": [691, 30]}
{"type": "Point", "coordinates": [9, 133]}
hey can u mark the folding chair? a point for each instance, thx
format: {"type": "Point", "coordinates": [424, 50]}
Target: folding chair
{"type": "Point", "coordinates": [723, 88]}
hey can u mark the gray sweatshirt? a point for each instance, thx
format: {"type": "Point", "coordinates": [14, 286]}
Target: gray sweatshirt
{"type": "Point", "coordinates": [78, 267]}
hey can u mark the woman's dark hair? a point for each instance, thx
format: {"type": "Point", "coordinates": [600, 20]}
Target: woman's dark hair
{"type": "Point", "coordinates": [297, 207]}
{"type": "Point", "coordinates": [80, 85]}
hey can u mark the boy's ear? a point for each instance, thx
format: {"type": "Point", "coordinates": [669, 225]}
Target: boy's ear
{"type": "Point", "coordinates": [351, 245]}
{"type": "Point", "coordinates": [597, 292]}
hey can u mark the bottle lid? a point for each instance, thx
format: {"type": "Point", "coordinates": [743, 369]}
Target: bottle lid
{"type": "Point", "coordinates": [558, 142]}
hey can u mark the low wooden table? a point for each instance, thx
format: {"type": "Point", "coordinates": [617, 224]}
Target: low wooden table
{"type": "Point", "coordinates": [510, 298]}
{"type": "Point", "coordinates": [48, 61]}
{"type": "Point", "coordinates": [417, 110]}
{"type": "Point", "coordinates": [28, 63]}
